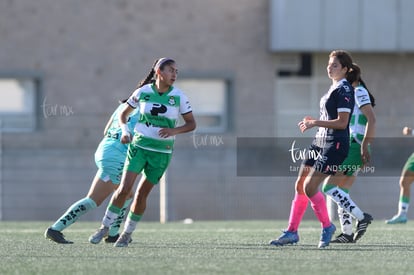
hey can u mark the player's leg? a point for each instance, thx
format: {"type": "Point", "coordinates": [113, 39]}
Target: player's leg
{"type": "Point", "coordinates": [318, 205]}
{"type": "Point", "coordinates": [156, 165]}
{"type": "Point", "coordinates": [344, 176]}
{"type": "Point", "coordinates": [342, 198]}
{"type": "Point", "coordinates": [135, 214]}
{"type": "Point", "coordinates": [115, 206]}
{"type": "Point", "coordinates": [406, 179]}
{"type": "Point", "coordinates": [345, 219]}
{"type": "Point", "coordinates": [113, 233]}
{"type": "Point", "coordinates": [297, 210]}
{"type": "Point", "coordinates": [348, 168]}
{"type": "Point", "coordinates": [134, 164]}
{"type": "Point", "coordinates": [114, 167]}
{"type": "Point", "coordinates": [100, 189]}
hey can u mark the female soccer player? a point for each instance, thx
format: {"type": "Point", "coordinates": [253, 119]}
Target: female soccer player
{"type": "Point", "coordinates": [406, 179]}
{"type": "Point", "coordinates": [109, 158]}
{"type": "Point", "coordinates": [331, 145]}
{"type": "Point", "coordinates": [160, 104]}
{"type": "Point", "coordinates": [362, 130]}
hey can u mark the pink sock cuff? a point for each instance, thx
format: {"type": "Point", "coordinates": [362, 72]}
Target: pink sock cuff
{"type": "Point", "coordinates": [300, 197]}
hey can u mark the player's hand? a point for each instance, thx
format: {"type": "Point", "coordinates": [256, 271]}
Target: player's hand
{"type": "Point", "coordinates": [365, 155]}
{"type": "Point", "coordinates": [166, 132]}
{"type": "Point", "coordinates": [306, 123]}
{"type": "Point", "coordinates": [126, 138]}
{"type": "Point", "coordinates": [407, 131]}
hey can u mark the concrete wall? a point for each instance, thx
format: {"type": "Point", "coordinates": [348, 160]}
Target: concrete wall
{"type": "Point", "coordinates": [92, 53]}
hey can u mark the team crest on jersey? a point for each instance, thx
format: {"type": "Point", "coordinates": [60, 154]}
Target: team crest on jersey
{"type": "Point", "coordinates": [347, 89]}
{"type": "Point", "coordinates": [171, 101]}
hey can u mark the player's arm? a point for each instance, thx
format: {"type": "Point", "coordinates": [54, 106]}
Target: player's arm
{"type": "Point", "coordinates": [340, 123]}
{"type": "Point", "coordinates": [189, 125]}
{"type": "Point", "coordinates": [108, 125]}
{"type": "Point", "coordinates": [369, 135]}
{"type": "Point", "coordinates": [123, 124]}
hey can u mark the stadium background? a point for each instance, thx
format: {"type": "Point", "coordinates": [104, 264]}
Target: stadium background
{"type": "Point", "coordinates": [266, 58]}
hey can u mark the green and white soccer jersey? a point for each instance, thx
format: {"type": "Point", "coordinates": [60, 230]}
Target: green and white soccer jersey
{"type": "Point", "coordinates": [157, 111]}
{"type": "Point", "coordinates": [358, 120]}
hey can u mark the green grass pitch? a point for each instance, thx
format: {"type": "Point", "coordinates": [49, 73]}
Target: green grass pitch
{"type": "Point", "coordinates": [208, 247]}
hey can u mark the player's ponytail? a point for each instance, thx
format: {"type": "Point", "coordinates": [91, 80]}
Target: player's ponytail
{"type": "Point", "coordinates": [150, 78]}
{"type": "Point", "coordinates": [158, 64]}
{"type": "Point", "coordinates": [355, 75]}
{"type": "Point", "coordinates": [371, 97]}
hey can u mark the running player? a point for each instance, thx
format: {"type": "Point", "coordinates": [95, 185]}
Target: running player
{"type": "Point", "coordinates": [331, 145]}
{"type": "Point", "coordinates": [406, 179]}
{"type": "Point", "coordinates": [109, 158]}
{"type": "Point", "coordinates": [160, 105]}
{"type": "Point", "coordinates": [362, 130]}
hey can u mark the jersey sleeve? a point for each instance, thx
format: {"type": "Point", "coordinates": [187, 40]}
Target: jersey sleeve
{"type": "Point", "coordinates": [133, 100]}
{"type": "Point", "coordinates": [185, 106]}
{"type": "Point", "coordinates": [345, 99]}
{"type": "Point", "coordinates": [361, 97]}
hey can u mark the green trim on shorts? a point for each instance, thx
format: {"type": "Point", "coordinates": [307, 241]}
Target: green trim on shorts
{"type": "Point", "coordinates": [152, 164]}
{"type": "Point", "coordinates": [409, 164]}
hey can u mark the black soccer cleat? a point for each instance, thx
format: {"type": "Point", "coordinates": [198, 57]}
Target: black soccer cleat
{"type": "Point", "coordinates": [56, 236]}
{"type": "Point", "coordinates": [362, 226]}
{"type": "Point", "coordinates": [344, 238]}
{"type": "Point", "coordinates": [113, 239]}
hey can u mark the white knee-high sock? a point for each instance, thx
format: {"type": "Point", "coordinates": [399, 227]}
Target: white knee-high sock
{"type": "Point", "coordinates": [344, 200]}
{"type": "Point", "coordinates": [346, 221]}
{"type": "Point", "coordinates": [73, 213]}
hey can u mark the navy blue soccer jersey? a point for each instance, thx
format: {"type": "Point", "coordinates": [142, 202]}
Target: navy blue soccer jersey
{"type": "Point", "coordinates": [339, 98]}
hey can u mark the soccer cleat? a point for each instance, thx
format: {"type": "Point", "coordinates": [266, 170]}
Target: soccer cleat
{"type": "Point", "coordinates": [401, 218]}
{"type": "Point", "coordinates": [362, 226]}
{"type": "Point", "coordinates": [344, 238]}
{"type": "Point", "coordinates": [99, 235]}
{"type": "Point", "coordinates": [56, 236]}
{"type": "Point", "coordinates": [287, 237]}
{"type": "Point", "coordinates": [123, 240]}
{"type": "Point", "coordinates": [112, 239]}
{"type": "Point", "coordinates": [326, 236]}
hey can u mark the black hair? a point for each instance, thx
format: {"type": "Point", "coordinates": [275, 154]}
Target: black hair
{"type": "Point", "coordinates": [355, 75]}
{"type": "Point", "coordinates": [150, 76]}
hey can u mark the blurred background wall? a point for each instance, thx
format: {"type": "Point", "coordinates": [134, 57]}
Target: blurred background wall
{"type": "Point", "coordinates": [252, 69]}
